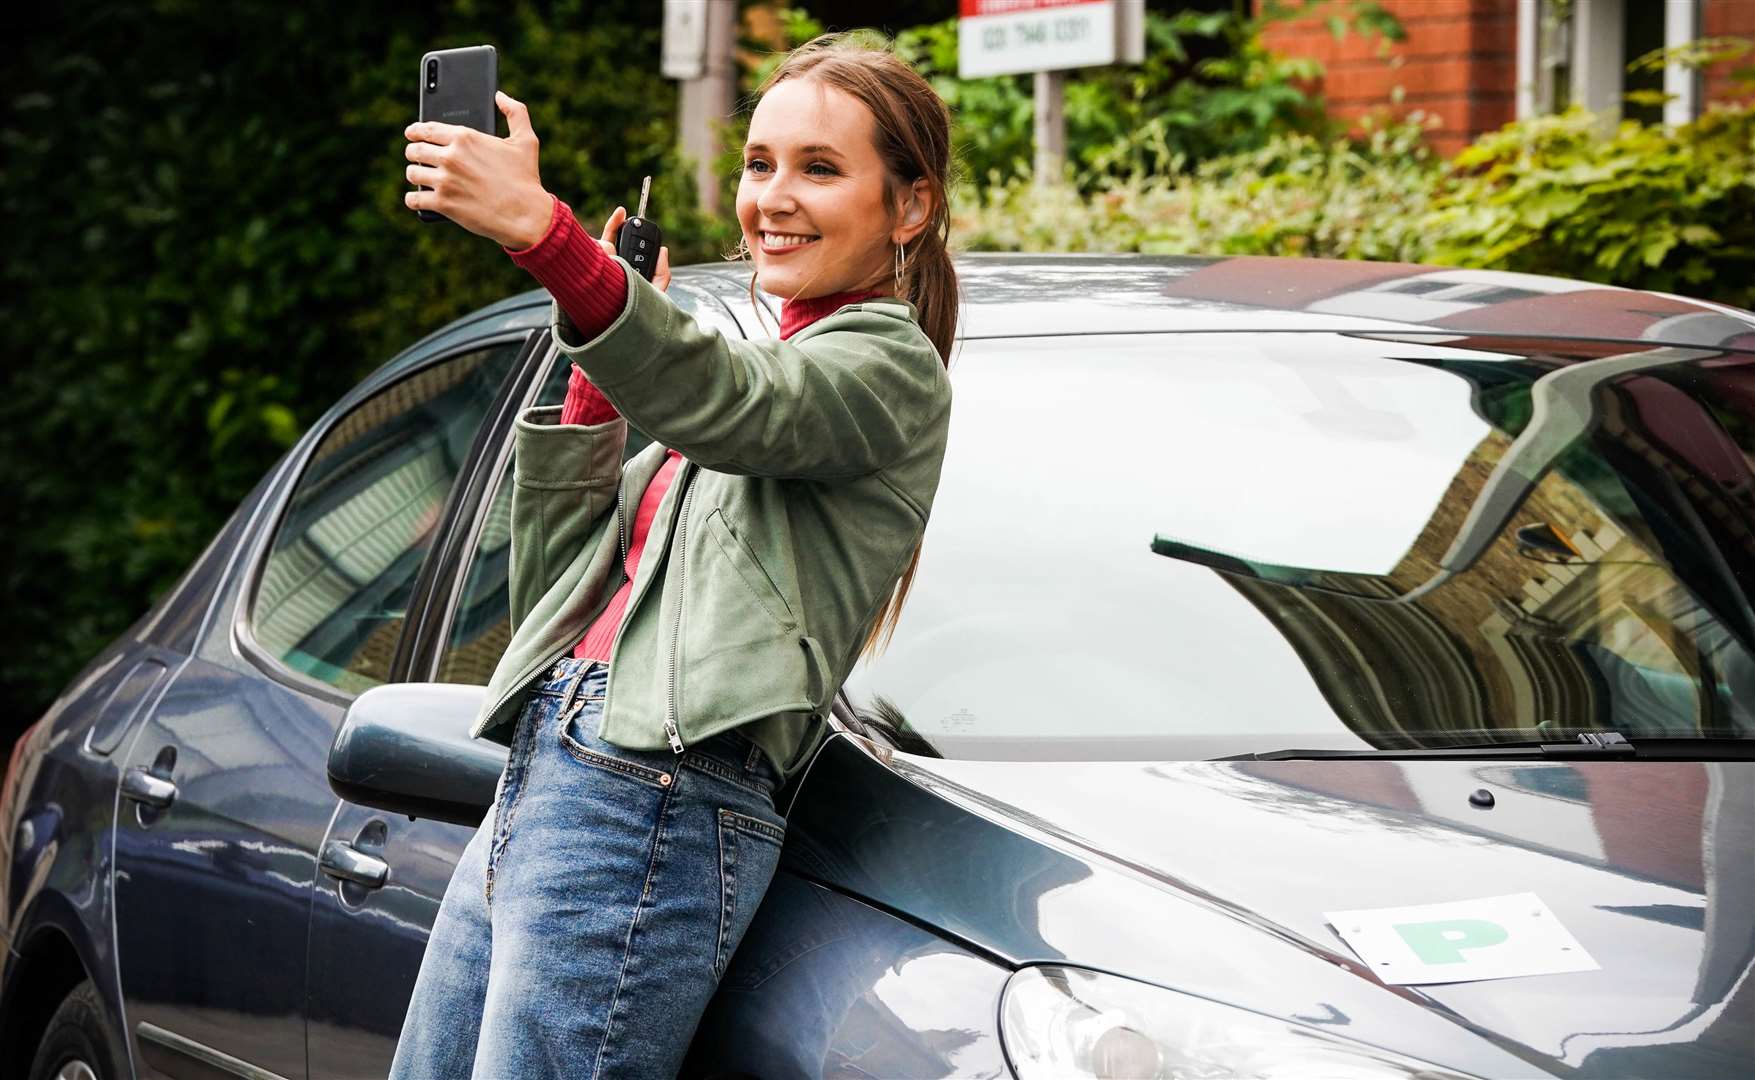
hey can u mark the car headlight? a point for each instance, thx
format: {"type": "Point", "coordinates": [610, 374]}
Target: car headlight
{"type": "Point", "coordinates": [1059, 1023]}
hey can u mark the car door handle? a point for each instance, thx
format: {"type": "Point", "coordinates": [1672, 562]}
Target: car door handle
{"type": "Point", "coordinates": [141, 786]}
{"type": "Point", "coordinates": [340, 860]}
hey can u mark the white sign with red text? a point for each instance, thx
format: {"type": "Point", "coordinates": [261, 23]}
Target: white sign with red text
{"type": "Point", "coordinates": [1006, 37]}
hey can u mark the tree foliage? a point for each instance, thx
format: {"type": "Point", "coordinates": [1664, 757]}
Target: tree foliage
{"type": "Point", "coordinates": [1207, 87]}
{"type": "Point", "coordinates": [1644, 207]}
{"type": "Point", "coordinates": [207, 245]}
{"type": "Point", "coordinates": [1298, 194]}
{"type": "Point", "coordinates": [1640, 205]}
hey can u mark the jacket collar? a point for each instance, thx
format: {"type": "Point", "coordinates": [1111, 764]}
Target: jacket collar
{"type": "Point", "coordinates": [795, 315]}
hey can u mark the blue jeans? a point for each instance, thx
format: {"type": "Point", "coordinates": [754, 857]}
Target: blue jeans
{"type": "Point", "coordinates": [595, 910]}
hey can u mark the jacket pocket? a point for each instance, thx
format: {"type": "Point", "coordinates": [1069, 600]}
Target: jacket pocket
{"type": "Point", "coordinates": [749, 853]}
{"type": "Point", "coordinates": [755, 577]}
{"type": "Point", "coordinates": [741, 654]}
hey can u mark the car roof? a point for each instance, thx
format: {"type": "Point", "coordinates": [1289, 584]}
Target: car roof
{"type": "Point", "coordinates": [1030, 295]}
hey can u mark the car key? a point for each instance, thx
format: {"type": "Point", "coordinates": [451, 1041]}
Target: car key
{"type": "Point", "coordinates": [639, 238]}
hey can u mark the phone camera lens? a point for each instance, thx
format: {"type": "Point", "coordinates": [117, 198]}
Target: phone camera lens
{"type": "Point", "coordinates": [432, 75]}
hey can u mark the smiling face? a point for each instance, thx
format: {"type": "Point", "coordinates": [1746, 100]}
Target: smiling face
{"type": "Point", "coordinates": [812, 200]}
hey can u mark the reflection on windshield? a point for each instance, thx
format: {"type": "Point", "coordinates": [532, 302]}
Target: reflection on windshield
{"type": "Point", "coordinates": [1586, 570]}
{"type": "Point", "coordinates": [1203, 545]}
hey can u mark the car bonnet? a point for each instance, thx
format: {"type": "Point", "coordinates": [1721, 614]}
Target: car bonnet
{"type": "Point", "coordinates": [1649, 865]}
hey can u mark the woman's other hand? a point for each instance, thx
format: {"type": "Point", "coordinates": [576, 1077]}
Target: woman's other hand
{"type": "Point", "coordinates": [484, 183]}
{"type": "Point", "coordinates": [612, 226]}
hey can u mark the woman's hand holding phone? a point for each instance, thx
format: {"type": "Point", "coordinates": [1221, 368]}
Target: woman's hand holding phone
{"type": "Point", "coordinates": [484, 183]}
{"type": "Point", "coordinates": [491, 186]}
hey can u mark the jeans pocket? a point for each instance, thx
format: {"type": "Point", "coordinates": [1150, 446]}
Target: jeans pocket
{"type": "Point", "coordinates": [576, 737]}
{"type": "Point", "coordinates": [749, 853]}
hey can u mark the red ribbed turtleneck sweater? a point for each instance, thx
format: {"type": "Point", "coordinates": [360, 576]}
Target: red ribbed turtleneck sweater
{"type": "Point", "coordinates": [592, 288]}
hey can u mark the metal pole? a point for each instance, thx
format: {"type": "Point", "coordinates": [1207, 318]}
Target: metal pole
{"type": "Point", "coordinates": [1050, 94]}
{"type": "Point", "coordinates": [706, 102]}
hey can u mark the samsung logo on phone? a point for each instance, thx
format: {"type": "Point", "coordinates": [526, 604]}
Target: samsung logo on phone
{"type": "Point", "coordinates": [455, 112]}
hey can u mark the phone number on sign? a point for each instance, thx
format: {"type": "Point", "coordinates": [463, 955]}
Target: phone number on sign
{"type": "Point", "coordinates": [1037, 32]}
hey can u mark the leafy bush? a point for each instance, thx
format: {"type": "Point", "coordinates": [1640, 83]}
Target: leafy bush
{"type": "Point", "coordinates": [1642, 207]}
{"type": "Point", "coordinates": [207, 244]}
{"type": "Point", "coordinates": [1207, 87]}
{"type": "Point", "coordinates": [1297, 195]}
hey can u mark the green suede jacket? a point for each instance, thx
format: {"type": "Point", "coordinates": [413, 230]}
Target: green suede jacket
{"type": "Point", "coordinates": [810, 466]}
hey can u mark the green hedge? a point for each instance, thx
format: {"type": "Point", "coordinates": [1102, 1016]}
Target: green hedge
{"type": "Point", "coordinates": [1638, 206]}
{"type": "Point", "coordinates": [206, 244]}
{"type": "Point", "coordinates": [1297, 195]}
{"type": "Point", "coordinates": [1671, 211]}
{"type": "Point", "coordinates": [1206, 87]}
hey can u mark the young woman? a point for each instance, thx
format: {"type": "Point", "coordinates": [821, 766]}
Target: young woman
{"type": "Point", "coordinates": [681, 623]}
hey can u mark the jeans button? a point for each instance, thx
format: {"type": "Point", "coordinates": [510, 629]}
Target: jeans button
{"type": "Point", "coordinates": [664, 780]}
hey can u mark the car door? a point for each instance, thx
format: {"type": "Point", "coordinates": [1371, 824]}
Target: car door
{"type": "Point", "coordinates": [224, 797]}
{"type": "Point", "coordinates": [367, 940]}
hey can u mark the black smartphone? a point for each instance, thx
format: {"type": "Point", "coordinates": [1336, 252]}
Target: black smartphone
{"type": "Point", "coordinates": [457, 86]}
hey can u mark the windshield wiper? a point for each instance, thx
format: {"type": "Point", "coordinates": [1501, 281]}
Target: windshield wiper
{"type": "Point", "coordinates": [1590, 746]}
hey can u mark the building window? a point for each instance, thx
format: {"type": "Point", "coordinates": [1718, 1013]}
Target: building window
{"type": "Point", "coordinates": [1577, 52]}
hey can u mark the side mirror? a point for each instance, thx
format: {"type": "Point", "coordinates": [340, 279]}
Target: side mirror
{"type": "Point", "coordinates": [405, 747]}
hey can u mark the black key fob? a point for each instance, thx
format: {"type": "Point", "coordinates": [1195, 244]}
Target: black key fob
{"type": "Point", "coordinates": [640, 237]}
{"type": "Point", "coordinates": [638, 243]}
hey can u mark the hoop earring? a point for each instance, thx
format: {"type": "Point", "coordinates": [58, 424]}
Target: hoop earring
{"type": "Point", "coordinates": [900, 255]}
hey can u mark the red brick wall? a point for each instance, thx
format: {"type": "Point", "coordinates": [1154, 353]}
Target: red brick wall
{"type": "Point", "coordinates": [1727, 18]}
{"type": "Point", "coordinates": [1459, 63]}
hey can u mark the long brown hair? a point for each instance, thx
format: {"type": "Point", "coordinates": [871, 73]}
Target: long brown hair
{"type": "Point", "coordinates": [914, 142]}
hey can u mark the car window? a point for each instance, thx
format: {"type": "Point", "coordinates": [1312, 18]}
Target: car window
{"type": "Point", "coordinates": [1213, 544]}
{"type": "Point", "coordinates": [332, 594]}
{"type": "Point", "coordinates": [481, 624]}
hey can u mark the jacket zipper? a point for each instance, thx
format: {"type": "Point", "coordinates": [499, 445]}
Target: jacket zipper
{"type": "Point", "coordinates": [619, 530]}
{"type": "Point", "coordinates": [670, 728]}
{"type": "Point", "coordinates": [682, 536]}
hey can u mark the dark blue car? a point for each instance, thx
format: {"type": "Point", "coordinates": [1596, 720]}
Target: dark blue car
{"type": "Point", "coordinates": [1316, 669]}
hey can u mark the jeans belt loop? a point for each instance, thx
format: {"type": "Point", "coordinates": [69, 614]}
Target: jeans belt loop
{"type": "Point", "coordinates": [571, 701]}
{"type": "Point", "coordinates": [566, 691]}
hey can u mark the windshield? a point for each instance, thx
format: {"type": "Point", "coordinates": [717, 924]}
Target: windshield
{"type": "Point", "coordinates": [1189, 546]}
